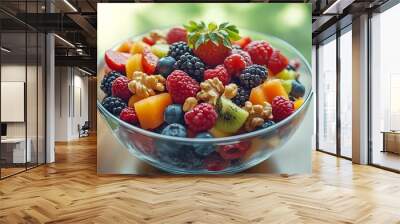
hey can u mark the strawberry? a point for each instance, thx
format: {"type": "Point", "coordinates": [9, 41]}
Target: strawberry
{"type": "Point", "coordinates": [176, 34]}
{"type": "Point", "coordinates": [242, 43]}
{"type": "Point", "coordinates": [116, 60]}
{"type": "Point", "coordinates": [148, 40]}
{"type": "Point", "coordinates": [149, 62]}
{"type": "Point", "coordinates": [212, 42]}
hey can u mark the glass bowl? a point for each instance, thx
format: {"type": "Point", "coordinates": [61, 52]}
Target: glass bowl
{"type": "Point", "coordinates": [176, 155]}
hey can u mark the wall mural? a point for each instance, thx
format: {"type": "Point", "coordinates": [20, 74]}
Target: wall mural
{"type": "Point", "coordinates": [204, 88]}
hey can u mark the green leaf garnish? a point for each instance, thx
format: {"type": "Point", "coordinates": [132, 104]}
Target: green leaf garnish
{"type": "Point", "coordinates": [200, 33]}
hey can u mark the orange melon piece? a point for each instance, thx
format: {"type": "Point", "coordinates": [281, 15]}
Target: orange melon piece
{"type": "Point", "coordinates": [125, 47]}
{"type": "Point", "coordinates": [139, 47]}
{"type": "Point", "coordinates": [257, 95]}
{"type": "Point", "coordinates": [298, 103]}
{"type": "Point", "coordinates": [133, 99]}
{"type": "Point", "coordinates": [133, 64]}
{"type": "Point", "coordinates": [273, 88]}
{"type": "Point", "coordinates": [150, 111]}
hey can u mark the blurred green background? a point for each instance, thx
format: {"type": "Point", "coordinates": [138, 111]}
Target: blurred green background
{"type": "Point", "coordinates": [288, 21]}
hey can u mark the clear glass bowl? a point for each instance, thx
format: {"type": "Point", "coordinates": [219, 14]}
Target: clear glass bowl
{"type": "Point", "coordinates": [175, 155]}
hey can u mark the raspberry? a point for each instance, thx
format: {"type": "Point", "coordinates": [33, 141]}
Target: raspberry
{"type": "Point", "coordinates": [113, 104]}
{"type": "Point", "coordinates": [181, 86]}
{"type": "Point", "coordinates": [107, 81]}
{"type": "Point", "coordinates": [234, 151]}
{"type": "Point", "coordinates": [176, 50]}
{"type": "Point", "coordinates": [252, 76]}
{"type": "Point", "coordinates": [201, 118]}
{"type": "Point", "coordinates": [120, 88]}
{"type": "Point", "coordinates": [241, 97]}
{"type": "Point", "coordinates": [176, 34]}
{"type": "Point", "coordinates": [281, 108]}
{"type": "Point", "coordinates": [277, 62]}
{"type": "Point", "coordinates": [214, 162]}
{"type": "Point", "coordinates": [128, 114]}
{"type": "Point", "coordinates": [192, 65]}
{"type": "Point", "coordinates": [244, 54]}
{"type": "Point", "coordinates": [260, 51]}
{"type": "Point", "coordinates": [220, 72]}
{"type": "Point", "coordinates": [234, 64]}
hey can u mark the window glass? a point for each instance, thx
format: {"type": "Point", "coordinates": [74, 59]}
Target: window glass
{"type": "Point", "coordinates": [327, 97]}
{"type": "Point", "coordinates": [346, 94]}
{"type": "Point", "coordinates": [385, 84]}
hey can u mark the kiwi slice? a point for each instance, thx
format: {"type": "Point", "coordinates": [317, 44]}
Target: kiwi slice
{"type": "Point", "coordinates": [230, 117]}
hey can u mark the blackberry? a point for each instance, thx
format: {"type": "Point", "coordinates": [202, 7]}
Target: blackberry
{"type": "Point", "coordinates": [182, 158]}
{"type": "Point", "coordinates": [241, 97]}
{"type": "Point", "coordinates": [107, 81]}
{"type": "Point", "coordinates": [113, 104]}
{"type": "Point", "coordinates": [192, 65]}
{"type": "Point", "coordinates": [178, 49]}
{"type": "Point", "coordinates": [253, 76]}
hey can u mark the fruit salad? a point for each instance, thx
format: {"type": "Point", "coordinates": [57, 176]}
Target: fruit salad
{"type": "Point", "coordinates": [201, 81]}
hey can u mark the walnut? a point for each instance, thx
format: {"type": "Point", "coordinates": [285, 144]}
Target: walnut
{"type": "Point", "coordinates": [189, 104]}
{"type": "Point", "coordinates": [145, 85]}
{"type": "Point", "coordinates": [211, 90]}
{"type": "Point", "coordinates": [230, 91]}
{"type": "Point", "coordinates": [258, 114]}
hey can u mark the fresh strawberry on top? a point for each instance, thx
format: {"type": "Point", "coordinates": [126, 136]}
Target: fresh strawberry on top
{"type": "Point", "coordinates": [212, 42]}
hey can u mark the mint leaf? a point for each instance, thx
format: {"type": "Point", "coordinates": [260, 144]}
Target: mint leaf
{"type": "Point", "coordinates": [212, 26]}
{"type": "Point", "coordinates": [199, 41]}
{"type": "Point", "coordinates": [223, 25]}
{"type": "Point", "coordinates": [214, 38]}
{"type": "Point", "coordinates": [233, 35]}
{"type": "Point", "coordinates": [227, 43]}
{"type": "Point", "coordinates": [232, 28]}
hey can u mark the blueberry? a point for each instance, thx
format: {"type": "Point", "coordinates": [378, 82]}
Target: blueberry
{"type": "Point", "coordinates": [267, 124]}
{"type": "Point", "coordinates": [165, 66]}
{"type": "Point", "coordinates": [204, 149]}
{"type": "Point", "coordinates": [175, 130]}
{"type": "Point", "coordinates": [298, 89]}
{"type": "Point", "coordinates": [173, 114]}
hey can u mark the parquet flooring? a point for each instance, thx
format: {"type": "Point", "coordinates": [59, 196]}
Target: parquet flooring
{"type": "Point", "coordinates": [69, 191]}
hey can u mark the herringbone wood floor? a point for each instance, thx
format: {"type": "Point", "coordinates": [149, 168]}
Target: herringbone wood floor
{"type": "Point", "coordinates": [69, 191]}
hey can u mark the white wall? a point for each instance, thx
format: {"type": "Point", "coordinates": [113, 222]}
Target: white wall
{"type": "Point", "coordinates": [71, 94]}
